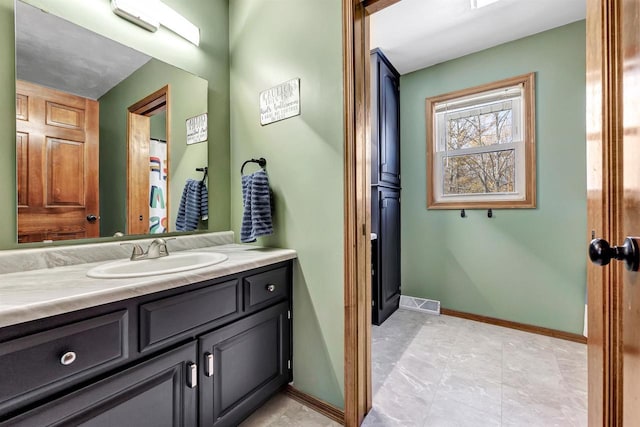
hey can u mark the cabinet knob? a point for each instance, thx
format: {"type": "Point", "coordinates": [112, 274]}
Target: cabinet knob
{"type": "Point", "coordinates": [271, 288]}
{"type": "Point", "coordinates": [68, 358]}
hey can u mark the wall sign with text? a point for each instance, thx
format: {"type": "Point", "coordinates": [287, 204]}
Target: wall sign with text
{"type": "Point", "coordinates": [280, 102]}
{"type": "Point", "coordinates": [197, 129]}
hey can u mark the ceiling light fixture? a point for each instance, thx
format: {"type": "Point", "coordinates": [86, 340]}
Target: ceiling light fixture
{"type": "Point", "coordinates": [477, 4]}
{"type": "Point", "coordinates": [150, 14]}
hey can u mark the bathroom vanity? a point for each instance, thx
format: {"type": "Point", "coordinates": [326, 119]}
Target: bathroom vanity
{"type": "Point", "coordinates": [203, 347]}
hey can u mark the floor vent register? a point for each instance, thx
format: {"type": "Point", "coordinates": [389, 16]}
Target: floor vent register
{"type": "Point", "coordinates": [420, 304]}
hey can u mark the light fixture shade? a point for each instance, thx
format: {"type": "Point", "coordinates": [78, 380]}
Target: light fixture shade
{"type": "Point", "coordinates": [136, 12]}
{"type": "Point", "coordinates": [477, 4]}
{"type": "Point", "coordinates": [177, 23]}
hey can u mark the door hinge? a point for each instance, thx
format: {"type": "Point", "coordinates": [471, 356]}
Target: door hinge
{"type": "Point", "coordinates": [289, 364]}
{"type": "Point", "coordinates": [364, 229]}
{"type": "Point", "coordinates": [288, 314]}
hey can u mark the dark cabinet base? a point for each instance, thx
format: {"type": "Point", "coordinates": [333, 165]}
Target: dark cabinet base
{"type": "Point", "coordinates": [385, 281]}
{"type": "Point", "coordinates": [250, 361]}
{"type": "Point", "coordinates": [385, 186]}
{"type": "Point", "coordinates": [154, 394]}
{"type": "Point", "coordinates": [206, 354]}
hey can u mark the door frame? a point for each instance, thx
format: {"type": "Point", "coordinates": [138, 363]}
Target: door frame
{"type": "Point", "coordinates": [605, 199]}
{"type": "Point", "coordinates": [604, 114]}
{"type": "Point", "coordinates": [357, 206]}
{"type": "Point", "coordinates": [150, 105]}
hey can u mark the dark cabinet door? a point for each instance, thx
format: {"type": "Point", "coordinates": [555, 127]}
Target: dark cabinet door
{"type": "Point", "coordinates": [387, 273]}
{"type": "Point", "coordinates": [243, 365]}
{"type": "Point", "coordinates": [156, 393]}
{"type": "Point", "coordinates": [385, 122]}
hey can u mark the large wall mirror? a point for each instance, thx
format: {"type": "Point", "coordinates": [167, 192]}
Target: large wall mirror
{"type": "Point", "coordinates": [101, 137]}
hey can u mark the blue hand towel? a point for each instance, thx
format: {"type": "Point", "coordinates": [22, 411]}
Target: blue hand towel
{"type": "Point", "coordinates": [194, 205]}
{"type": "Point", "coordinates": [256, 219]}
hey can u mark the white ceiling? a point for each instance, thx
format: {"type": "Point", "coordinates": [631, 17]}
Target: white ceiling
{"type": "Point", "coordinates": [415, 34]}
{"type": "Point", "coordinates": [57, 54]}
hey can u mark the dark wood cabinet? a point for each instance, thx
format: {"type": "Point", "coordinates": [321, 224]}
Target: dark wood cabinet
{"type": "Point", "coordinates": [204, 354]}
{"type": "Point", "coordinates": [385, 121]}
{"type": "Point", "coordinates": [36, 364]}
{"type": "Point", "coordinates": [385, 187]}
{"type": "Point", "coordinates": [244, 363]}
{"type": "Point", "coordinates": [386, 288]}
{"type": "Point", "coordinates": [155, 393]}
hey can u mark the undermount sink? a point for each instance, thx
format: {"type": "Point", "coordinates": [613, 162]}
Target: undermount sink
{"type": "Point", "coordinates": [173, 263]}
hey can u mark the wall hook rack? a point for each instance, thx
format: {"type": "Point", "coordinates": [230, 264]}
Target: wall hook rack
{"type": "Point", "coordinates": [262, 162]}
{"type": "Point", "coordinates": [463, 214]}
{"type": "Point", "coordinates": [490, 213]}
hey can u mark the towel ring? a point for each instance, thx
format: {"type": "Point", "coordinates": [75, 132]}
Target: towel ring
{"type": "Point", "coordinates": [262, 162]}
{"type": "Point", "coordinates": [205, 170]}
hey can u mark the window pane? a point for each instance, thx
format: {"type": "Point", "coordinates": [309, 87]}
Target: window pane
{"type": "Point", "coordinates": [480, 130]}
{"type": "Point", "coordinates": [483, 173]}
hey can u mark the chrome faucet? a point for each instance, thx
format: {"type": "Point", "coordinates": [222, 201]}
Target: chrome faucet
{"type": "Point", "coordinates": [157, 248]}
{"type": "Point", "coordinates": [137, 252]}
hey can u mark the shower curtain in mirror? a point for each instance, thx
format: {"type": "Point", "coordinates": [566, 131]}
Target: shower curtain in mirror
{"type": "Point", "coordinates": [157, 186]}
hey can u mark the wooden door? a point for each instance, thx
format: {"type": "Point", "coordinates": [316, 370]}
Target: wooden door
{"type": "Point", "coordinates": [57, 164]}
{"type": "Point", "coordinates": [613, 188]}
{"type": "Point", "coordinates": [138, 174]}
{"type": "Point", "coordinates": [138, 142]}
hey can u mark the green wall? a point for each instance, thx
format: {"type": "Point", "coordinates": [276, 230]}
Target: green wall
{"type": "Point", "coordinates": [523, 265]}
{"type": "Point", "coordinates": [305, 165]}
{"type": "Point", "coordinates": [187, 98]}
{"type": "Point", "coordinates": [158, 126]}
{"type": "Point", "coordinates": [8, 209]}
{"type": "Point", "coordinates": [210, 61]}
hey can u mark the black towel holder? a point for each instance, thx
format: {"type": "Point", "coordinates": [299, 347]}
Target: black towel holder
{"type": "Point", "coordinates": [205, 170]}
{"type": "Point", "coordinates": [262, 162]}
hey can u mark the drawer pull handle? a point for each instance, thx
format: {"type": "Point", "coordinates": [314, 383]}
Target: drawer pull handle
{"type": "Point", "coordinates": [192, 375]}
{"type": "Point", "coordinates": [68, 358]}
{"type": "Point", "coordinates": [271, 288]}
{"type": "Point", "coordinates": [209, 358]}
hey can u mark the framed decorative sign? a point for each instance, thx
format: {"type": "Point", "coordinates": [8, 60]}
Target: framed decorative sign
{"type": "Point", "coordinates": [197, 129]}
{"type": "Point", "coordinates": [280, 102]}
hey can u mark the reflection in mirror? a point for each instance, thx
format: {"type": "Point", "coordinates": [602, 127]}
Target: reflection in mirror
{"type": "Point", "coordinates": [101, 134]}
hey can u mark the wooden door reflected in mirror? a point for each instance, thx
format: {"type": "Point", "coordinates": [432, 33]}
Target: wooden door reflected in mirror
{"type": "Point", "coordinates": [147, 160]}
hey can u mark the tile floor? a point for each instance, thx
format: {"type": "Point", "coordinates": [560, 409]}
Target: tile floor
{"type": "Point", "coordinates": [433, 371]}
{"type": "Point", "coordinates": [282, 411]}
{"type": "Point", "coordinates": [437, 371]}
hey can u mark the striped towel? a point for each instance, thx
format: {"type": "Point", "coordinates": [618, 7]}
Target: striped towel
{"type": "Point", "coordinates": [193, 205]}
{"type": "Point", "coordinates": [256, 220]}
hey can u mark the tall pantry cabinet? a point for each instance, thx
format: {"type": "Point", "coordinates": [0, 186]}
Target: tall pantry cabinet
{"type": "Point", "coordinates": [385, 187]}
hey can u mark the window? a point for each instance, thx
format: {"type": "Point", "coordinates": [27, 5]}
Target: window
{"type": "Point", "coordinates": [481, 146]}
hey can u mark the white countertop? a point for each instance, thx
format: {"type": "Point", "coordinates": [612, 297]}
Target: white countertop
{"type": "Point", "coordinates": [31, 295]}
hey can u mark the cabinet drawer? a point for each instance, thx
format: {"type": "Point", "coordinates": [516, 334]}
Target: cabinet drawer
{"type": "Point", "coordinates": [49, 360]}
{"type": "Point", "coordinates": [155, 393]}
{"type": "Point", "coordinates": [266, 288]}
{"type": "Point", "coordinates": [169, 317]}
